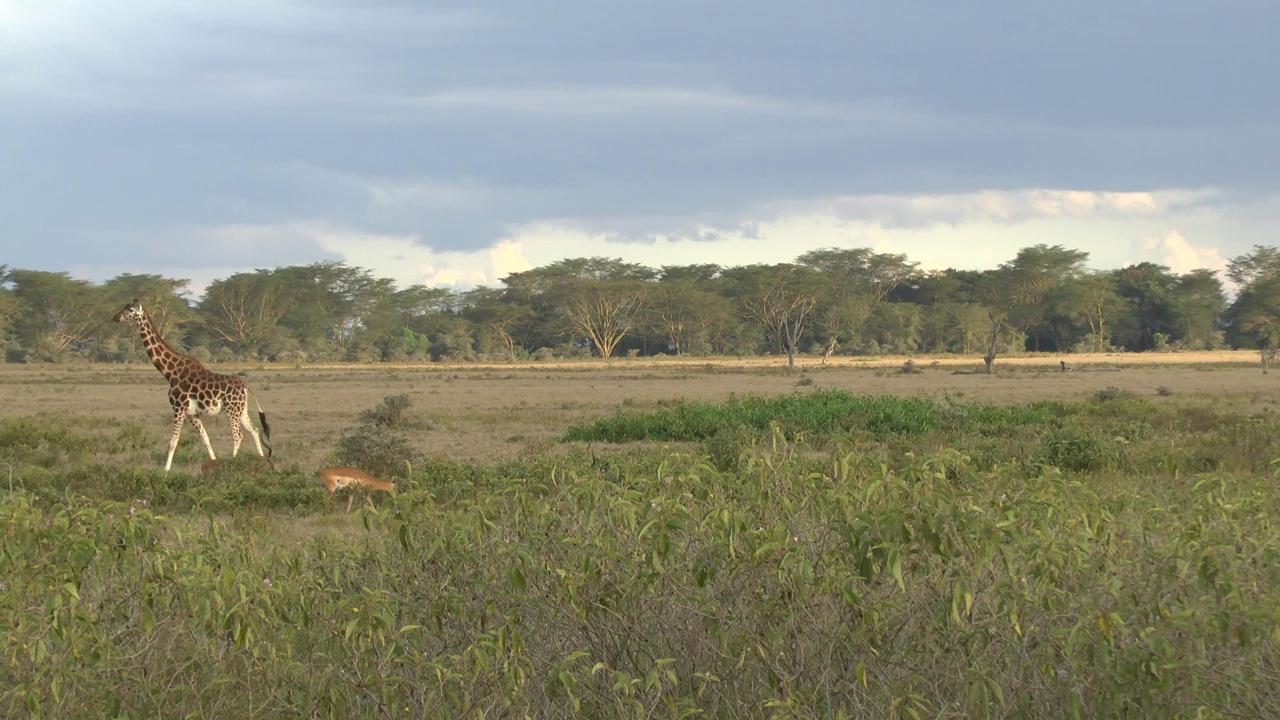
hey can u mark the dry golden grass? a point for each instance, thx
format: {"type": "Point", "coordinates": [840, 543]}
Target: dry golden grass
{"type": "Point", "coordinates": [487, 411]}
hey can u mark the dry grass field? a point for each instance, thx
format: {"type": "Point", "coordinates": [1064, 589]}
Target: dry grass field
{"type": "Point", "coordinates": [487, 411]}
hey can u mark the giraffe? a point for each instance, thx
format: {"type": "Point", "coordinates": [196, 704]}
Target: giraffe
{"type": "Point", "coordinates": [194, 390]}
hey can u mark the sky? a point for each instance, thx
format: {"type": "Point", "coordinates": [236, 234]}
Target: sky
{"type": "Point", "coordinates": [453, 144]}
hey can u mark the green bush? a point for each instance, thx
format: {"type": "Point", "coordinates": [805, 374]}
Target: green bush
{"type": "Point", "coordinates": [1093, 559]}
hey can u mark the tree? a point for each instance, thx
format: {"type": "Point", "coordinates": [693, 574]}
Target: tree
{"type": "Point", "coordinates": [563, 289]}
{"type": "Point", "coordinates": [676, 309]}
{"type": "Point", "coordinates": [998, 298]}
{"type": "Point", "coordinates": [1258, 313]}
{"type": "Point", "coordinates": [854, 281]}
{"type": "Point", "coordinates": [242, 310]}
{"type": "Point", "coordinates": [484, 307]}
{"type": "Point", "coordinates": [603, 310]}
{"type": "Point", "coordinates": [1097, 302]}
{"type": "Point", "coordinates": [332, 300]}
{"type": "Point", "coordinates": [1151, 306]}
{"type": "Point", "coordinates": [1031, 278]}
{"type": "Point", "coordinates": [55, 311]}
{"type": "Point", "coordinates": [1200, 302]}
{"type": "Point", "coordinates": [860, 270]}
{"type": "Point", "coordinates": [1262, 263]}
{"type": "Point", "coordinates": [164, 298]}
{"type": "Point", "coordinates": [698, 273]}
{"type": "Point", "coordinates": [840, 321]}
{"type": "Point", "coordinates": [10, 306]}
{"type": "Point", "coordinates": [781, 297]}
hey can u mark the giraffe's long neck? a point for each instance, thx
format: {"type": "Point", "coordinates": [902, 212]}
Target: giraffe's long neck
{"type": "Point", "coordinates": [166, 359]}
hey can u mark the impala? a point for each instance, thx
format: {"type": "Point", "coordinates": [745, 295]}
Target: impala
{"type": "Point", "coordinates": [336, 478]}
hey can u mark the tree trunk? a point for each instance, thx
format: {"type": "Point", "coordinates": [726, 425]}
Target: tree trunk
{"type": "Point", "coordinates": [990, 358]}
{"type": "Point", "coordinates": [830, 349]}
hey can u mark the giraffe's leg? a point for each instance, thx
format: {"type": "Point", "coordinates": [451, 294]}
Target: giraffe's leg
{"type": "Point", "coordinates": [179, 416]}
{"type": "Point", "coordinates": [247, 424]}
{"type": "Point", "coordinates": [235, 435]}
{"type": "Point", "coordinates": [203, 436]}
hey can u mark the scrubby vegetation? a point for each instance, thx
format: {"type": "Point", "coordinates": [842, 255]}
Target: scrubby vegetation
{"type": "Point", "coordinates": [817, 555]}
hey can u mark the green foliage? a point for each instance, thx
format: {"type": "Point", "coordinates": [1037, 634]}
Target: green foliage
{"type": "Point", "coordinates": [831, 300]}
{"type": "Point", "coordinates": [39, 441]}
{"type": "Point", "coordinates": [816, 555]}
{"type": "Point", "coordinates": [377, 445]}
{"type": "Point", "coordinates": [388, 413]}
{"type": "Point", "coordinates": [807, 583]}
{"type": "Point", "coordinates": [822, 412]}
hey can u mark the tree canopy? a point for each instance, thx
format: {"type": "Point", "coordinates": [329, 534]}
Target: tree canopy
{"type": "Point", "coordinates": [829, 301]}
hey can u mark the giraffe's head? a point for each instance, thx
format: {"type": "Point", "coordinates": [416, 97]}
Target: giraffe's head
{"type": "Point", "coordinates": [132, 311]}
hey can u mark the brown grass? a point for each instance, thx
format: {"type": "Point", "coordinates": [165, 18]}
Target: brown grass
{"type": "Point", "coordinates": [486, 411]}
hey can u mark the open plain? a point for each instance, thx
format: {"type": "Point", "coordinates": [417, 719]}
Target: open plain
{"type": "Point", "coordinates": [484, 411]}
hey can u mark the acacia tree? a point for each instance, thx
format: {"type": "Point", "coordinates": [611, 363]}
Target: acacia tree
{"type": "Point", "coordinates": [1259, 315]}
{"type": "Point", "coordinates": [998, 298]}
{"type": "Point", "coordinates": [853, 283]}
{"type": "Point", "coordinates": [677, 308]}
{"type": "Point", "coordinates": [484, 307]}
{"type": "Point", "coordinates": [54, 310]}
{"type": "Point", "coordinates": [603, 310]}
{"type": "Point", "coordinates": [242, 310]}
{"type": "Point", "coordinates": [1256, 311]}
{"type": "Point", "coordinates": [574, 295]}
{"type": "Point", "coordinates": [1200, 302]}
{"type": "Point", "coordinates": [782, 298]}
{"type": "Point", "coordinates": [332, 302]}
{"type": "Point", "coordinates": [841, 320]}
{"type": "Point", "coordinates": [163, 298]}
{"type": "Point", "coordinates": [10, 307]}
{"type": "Point", "coordinates": [1150, 304]}
{"type": "Point", "coordinates": [1031, 278]}
{"type": "Point", "coordinates": [1097, 302]}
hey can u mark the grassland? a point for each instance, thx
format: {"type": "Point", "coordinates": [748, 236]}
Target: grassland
{"type": "Point", "coordinates": [654, 538]}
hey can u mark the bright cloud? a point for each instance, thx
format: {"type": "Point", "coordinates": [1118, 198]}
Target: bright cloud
{"type": "Point", "coordinates": [1181, 256]}
{"type": "Point", "coordinates": [968, 231]}
{"type": "Point", "coordinates": [973, 231]}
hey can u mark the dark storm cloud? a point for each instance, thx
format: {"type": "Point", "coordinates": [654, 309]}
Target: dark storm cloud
{"type": "Point", "coordinates": [454, 123]}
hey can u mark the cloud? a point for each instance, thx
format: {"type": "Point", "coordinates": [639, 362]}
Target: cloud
{"type": "Point", "coordinates": [972, 231]}
{"type": "Point", "coordinates": [996, 206]}
{"type": "Point", "coordinates": [439, 133]}
{"type": "Point", "coordinates": [1181, 256]}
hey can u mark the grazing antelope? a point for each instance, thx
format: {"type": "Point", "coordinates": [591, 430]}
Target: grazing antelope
{"type": "Point", "coordinates": [210, 465]}
{"type": "Point", "coordinates": [336, 478]}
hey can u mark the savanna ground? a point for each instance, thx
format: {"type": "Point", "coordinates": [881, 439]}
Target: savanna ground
{"type": "Point", "coordinates": [481, 412]}
{"type": "Point", "coordinates": [654, 538]}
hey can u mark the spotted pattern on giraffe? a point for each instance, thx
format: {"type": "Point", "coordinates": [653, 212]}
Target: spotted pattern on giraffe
{"type": "Point", "coordinates": [194, 390]}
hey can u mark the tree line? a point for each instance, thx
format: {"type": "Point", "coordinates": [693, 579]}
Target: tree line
{"type": "Point", "coordinates": [832, 301]}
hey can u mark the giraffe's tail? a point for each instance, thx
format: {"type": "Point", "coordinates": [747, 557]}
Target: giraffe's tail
{"type": "Point", "coordinates": [266, 427]}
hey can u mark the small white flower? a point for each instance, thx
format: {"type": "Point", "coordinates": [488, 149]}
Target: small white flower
{"type": "Point", "coordinates": [266, 582]}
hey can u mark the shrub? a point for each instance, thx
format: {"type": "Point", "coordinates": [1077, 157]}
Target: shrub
{"type": "Point", "coordinates": [389, 413]}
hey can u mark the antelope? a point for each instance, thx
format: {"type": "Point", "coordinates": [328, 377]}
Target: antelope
{"type": "Point", "coordinates": [336, 478]}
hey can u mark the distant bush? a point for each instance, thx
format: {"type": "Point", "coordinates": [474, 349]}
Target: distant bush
{"type": "Point", "coordinates": [389, 413]}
